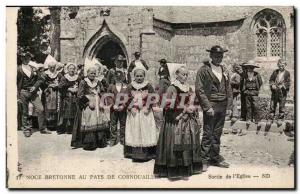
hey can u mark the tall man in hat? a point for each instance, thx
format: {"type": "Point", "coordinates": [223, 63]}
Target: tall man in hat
{"type": "Point", "coordinates": [214, 93]}
{"type": "Point", "coordinates": [164, 76]}
{"type": "Point", "coordinates": [136, 62]}
{"type": "Point", "coordinates": [118, 66]}
{"type": "Point", "coordinates": [28, 84]}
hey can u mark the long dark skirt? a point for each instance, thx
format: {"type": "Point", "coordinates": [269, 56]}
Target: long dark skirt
{"type": "Point", "coordinates": [140, 153]}
{"type": "Point", "coordinates": [176, 164]}
{"type": "Point", "coordinates": [90, 140]}
{"type": "Point", "coordinates": [50, 100]}
{"type": "Point", "coordinates": [67, 115]}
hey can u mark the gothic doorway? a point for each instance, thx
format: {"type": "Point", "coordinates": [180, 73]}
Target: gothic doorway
{"type": "Point", "coordinates": [106, 44]}
{"type": "Point", "coordinates": [108, 52]}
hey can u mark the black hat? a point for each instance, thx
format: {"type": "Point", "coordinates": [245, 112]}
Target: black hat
{"type": "Point", "coordinates": [137, 54]}
{"type": "Point", "coordinates": [163, 61]}
{"type": "Point", "coordinates": [217, 49]}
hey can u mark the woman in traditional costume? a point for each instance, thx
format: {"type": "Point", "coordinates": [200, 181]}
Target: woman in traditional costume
{"type": "Point", "coordinates": [68, 87]}
{"type": "Point", "coordinates": [50, 96]}
{"type": "Point", "coordinates": [140, 131]}
{"type": "Point", "coordinates": [91, 126]}
{"type": "Point", "coordinates": [178, 149]}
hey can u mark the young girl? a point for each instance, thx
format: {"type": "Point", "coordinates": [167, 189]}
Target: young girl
{"type": "Point", "coordinates": [140, 132]}
{"type": "Point", "coordinates": [91, 126]}
{"type": "Point", "coordinates": [68, 87]}
{"type": "Point", "coordinates": [178, 149]}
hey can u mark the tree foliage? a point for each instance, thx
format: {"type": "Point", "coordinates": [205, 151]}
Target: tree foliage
{"type": "Point", "coordinates": [32, 28]}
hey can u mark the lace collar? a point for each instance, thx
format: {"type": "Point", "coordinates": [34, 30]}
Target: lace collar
{"type": "Point", "coordinates": [139, 86]}
{"type": "Point", "coordinates": [71, 78]}
{"type": "Point", "coordinates": [182, 87]}
{"type": "Point", "coordinates": [52, 75]}
{"type": "Point", "coordinates": [90, 83]}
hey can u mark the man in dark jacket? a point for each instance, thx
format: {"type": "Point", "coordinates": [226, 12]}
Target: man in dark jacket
{"type": "Point", "coordinates": [164, 77]}
{"type": "Point", "coordinates": [119, 61]}
{"type": "Point", "coordinates": [215, 96]}
{"type": "Point", "coordinates": [137, 61]}
{"type": "Point", "coordinates": [28, 83]}
{"type": "Point", "coordinates": [280, 85]}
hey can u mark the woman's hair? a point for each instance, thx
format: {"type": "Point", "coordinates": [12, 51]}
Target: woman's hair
{"type": "Point", "coordinates": [134, 72]}
{"type": "Point", "coordinates": [91, 69]}
{"type": "Point", "coordinates": [180, 68]}
{"type": "Point", "coordinates": [72, 64]}
{"type": "Point", "coordinates": [53, 64]}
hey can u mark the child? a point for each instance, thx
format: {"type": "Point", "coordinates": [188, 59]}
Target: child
{"type": "Point", "coordinates": [91, 125]}
{"type": "Point", "coordinates": [118, 111]}
{"type": "Point", "coordinates": [140, 133]}
{"type": "Point", "coordinates": [250, 87]}
{"type": "Point", "coordinates": [280, 84]}
{"type": "Point", "coordinates": [178, 149]}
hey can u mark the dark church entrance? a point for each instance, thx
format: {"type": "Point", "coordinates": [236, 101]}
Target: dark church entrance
{"type": "Point", "coordinates": [108, 52]}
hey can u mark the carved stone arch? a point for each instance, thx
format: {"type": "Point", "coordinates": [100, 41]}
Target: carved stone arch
{"type": "Point", "coordinates": [263, 12]}
{"type": "Point", "coordinates": [105, 34]}
{"type": "Point", "coordinates": [269, 29]}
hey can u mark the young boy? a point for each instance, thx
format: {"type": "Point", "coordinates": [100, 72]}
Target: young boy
{"type": "Point", "coordinates": [118, 110]}
{"type": "Point", "coordinates": [280, 84]}
{"type": "Point", "coordinates": [250, 87]}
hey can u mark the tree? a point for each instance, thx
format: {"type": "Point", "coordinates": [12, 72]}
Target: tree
{"type": "Point", "coordinates": [32, 29]}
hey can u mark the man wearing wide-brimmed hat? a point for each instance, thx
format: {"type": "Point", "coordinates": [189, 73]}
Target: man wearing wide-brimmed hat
{"type": "Point", "coordinates": [135, 63]}
{"type": "Point", "coordinates": [214, 92]}
{"type": "Point", "coordinates": [28, 84]}
{"type": "Point", "coordinates": [164, 76]}
{"type": "Point", "coordinates": [251, 84]}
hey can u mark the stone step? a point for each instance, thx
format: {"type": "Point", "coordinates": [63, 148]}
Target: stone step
{"type": "Point", "coordinates": [265, 125]}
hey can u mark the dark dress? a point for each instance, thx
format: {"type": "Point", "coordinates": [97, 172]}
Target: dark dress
{"type": "Point", "coordinates": [69, 104]}
{"type": "Point", "coordinates": [92, 136]}
{"type": "Point", "coordinates": [51, 99]}
{"type": "Point", "coordinates": [178, 148]}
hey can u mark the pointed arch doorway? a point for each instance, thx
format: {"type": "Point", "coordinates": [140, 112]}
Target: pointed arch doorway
{"type": "Point", "coordinates": [106, 44]}
{"type": "Point", "coordinates": [108, 52]}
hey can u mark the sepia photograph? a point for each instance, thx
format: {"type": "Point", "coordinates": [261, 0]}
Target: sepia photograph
{"type": "Point", "coordinates": [156, 97]}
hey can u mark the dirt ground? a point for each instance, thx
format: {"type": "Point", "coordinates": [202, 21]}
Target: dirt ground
{"type": "Point", "coordinates": [273, 149]}
{"type": "Point", "coordinates": [52, 154]}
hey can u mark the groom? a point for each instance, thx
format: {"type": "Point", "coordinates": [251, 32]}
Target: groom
{"type": "Point", "coordinates": [215, 96]}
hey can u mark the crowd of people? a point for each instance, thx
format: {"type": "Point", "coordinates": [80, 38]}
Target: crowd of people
{"type": "Point", "coordinates": [102, 107]}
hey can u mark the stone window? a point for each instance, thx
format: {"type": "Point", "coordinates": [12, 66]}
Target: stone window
{"type": "Point", "coordinates": [269, 30]}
